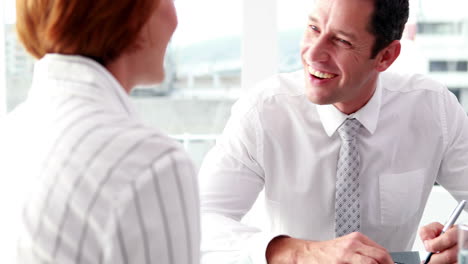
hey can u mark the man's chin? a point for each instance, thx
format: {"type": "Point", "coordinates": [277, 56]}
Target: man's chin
{"type": "Point", "coordinates": [319, 99]}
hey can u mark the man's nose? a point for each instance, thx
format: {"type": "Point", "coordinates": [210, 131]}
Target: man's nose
{"type": "Point", "coordinates": [317, 50]}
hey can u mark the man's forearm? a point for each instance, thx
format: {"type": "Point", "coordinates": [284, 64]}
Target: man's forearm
{"type": "Point", "coordinates": [284, 250]}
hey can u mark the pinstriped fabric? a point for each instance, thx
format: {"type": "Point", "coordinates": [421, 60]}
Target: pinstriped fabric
{"type": "Point", "coordinates": [141, 223]}
{"type": "Point", "coordinates": [54, 179]}
{"type": "Point", "coordinates": [57, 120]}
{"type": "Point", "coordinates": [169, 223]}
{"type": "Point", "coordinates": [122, 248]}
{"type": "Point", "coordinates": [96, 195]}
{"type": "Point", "coordinates": [184, 207]}
{"type": "Point", "coordinates": [110, 190]}
{"type": "Point", "coordinates": [163, 212]}
{"type": "Point", "coordinates": [77, 182]}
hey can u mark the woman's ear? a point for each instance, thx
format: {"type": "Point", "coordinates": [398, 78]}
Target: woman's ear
{"type": "Point", "coordinates": [388, 55]}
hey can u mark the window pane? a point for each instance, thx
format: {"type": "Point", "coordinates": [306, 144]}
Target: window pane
{"type": "Point", "coordinates": [456, 92]}
{"type": "Point", "coordinates": [19, 66]}
{"type": "Point", "coordinates": [439, 28]}
{"type": "Point", "coordinates": [2, 63]}
{"type": "Point", "coordinates": [292, 21]}
{"type": "Point", "coordinates": [202, 74]}
{"type": "Point", "coordinates": [438, 66]}
{"type": "Point", "coordinates": [462, 66]}
{"type": "Point", "coordinates": [444, 66]}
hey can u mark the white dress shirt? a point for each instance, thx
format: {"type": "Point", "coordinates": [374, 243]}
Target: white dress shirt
{"type": "Point", "coordinates": [414, 133]}
{"type": "Point", "coordinates": [101, 186]}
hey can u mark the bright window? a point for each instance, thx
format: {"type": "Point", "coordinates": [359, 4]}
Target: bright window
{"type": "Point", "coordinates": [203, 73]}
{"type": "Point", "coordinates": [2, 62]}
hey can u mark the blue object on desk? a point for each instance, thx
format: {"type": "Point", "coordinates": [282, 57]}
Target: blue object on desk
{"type": "Point", "coordinates": [406, 257]}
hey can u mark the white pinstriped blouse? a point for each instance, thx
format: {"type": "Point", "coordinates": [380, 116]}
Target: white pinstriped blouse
{"type": "Point", "coordinates": [102, 187]}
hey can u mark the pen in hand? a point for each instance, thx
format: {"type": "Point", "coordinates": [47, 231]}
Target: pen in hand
{"type": "Point", "coordinates": [453, 217]}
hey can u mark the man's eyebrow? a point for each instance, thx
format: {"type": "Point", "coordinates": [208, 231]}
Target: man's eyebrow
{"type": "Point", "coordinates": [349, 35]}
{"type": "Point", "coordinates": [313, 19]}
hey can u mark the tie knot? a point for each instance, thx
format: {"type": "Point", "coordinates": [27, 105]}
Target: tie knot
{"type": "Point", "coordinates": [348, 129]}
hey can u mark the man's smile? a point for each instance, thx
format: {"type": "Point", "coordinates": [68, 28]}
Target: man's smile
{"type": "Point", "coordinates": [320, 74]}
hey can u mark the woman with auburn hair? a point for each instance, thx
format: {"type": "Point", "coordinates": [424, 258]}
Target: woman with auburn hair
{"type": "Point", "coordinates": [101, 186]}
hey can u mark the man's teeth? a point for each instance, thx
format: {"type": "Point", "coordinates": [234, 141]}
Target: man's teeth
{"type": "Point", "coordinates": [319, 74]}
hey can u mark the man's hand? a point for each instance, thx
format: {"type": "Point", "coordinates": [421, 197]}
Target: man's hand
{"type": "Point", "coordinates": [352, 248]}
{"type": "Point", "coordinates": [446, 244]}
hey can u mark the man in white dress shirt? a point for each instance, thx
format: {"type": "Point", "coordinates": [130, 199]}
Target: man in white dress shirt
{"type": "Point", "coordinates": [282, 138]}
{"type": "Point", "coordinates": [101, 186]}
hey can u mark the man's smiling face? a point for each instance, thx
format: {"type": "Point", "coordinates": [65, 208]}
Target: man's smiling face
{"type": "Point", "coordinates": [336, 54]}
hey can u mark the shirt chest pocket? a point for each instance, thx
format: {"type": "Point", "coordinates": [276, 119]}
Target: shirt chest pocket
{"type": "Point", "coordinates": [400, 196]}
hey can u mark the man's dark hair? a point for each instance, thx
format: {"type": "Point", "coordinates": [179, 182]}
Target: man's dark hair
{"type": "Point", "coordinates": [388, 22]}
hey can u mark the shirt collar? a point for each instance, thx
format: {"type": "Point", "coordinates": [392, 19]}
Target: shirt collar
{"type": "Point", "coordinates": [368, 115]}
{"type": "Point", "coordinates": [81, 70]}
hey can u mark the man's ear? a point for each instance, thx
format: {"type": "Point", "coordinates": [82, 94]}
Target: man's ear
{"type": "Point", "coordinates": [388, 55]}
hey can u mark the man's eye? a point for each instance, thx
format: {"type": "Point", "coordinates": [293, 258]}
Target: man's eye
{"type": "Point", "coordinates": [343, 42]}
{"type": "Point", "coordinates": [314, 28]}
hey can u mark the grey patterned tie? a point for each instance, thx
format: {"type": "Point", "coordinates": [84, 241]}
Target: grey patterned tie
{"type": "Point", "coordinates": [347, 214]}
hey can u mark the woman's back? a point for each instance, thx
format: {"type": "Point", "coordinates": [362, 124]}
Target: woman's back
{"type": "Point", "coordinates": [105, 188]}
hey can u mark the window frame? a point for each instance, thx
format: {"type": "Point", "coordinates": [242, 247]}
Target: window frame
{"type": "Point", "coordinates": [259, 45]}
{"type": "Point", "coordinates": [259, 56]}
{"type": "Point", "coordinates": [3, 87]}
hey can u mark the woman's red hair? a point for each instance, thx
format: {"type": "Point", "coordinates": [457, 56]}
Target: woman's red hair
{"type": "Point", "coordinates": [99, 29]}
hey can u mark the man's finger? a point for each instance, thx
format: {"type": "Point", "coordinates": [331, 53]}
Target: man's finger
{"type": "Point", "coordinates": [368, 250]}
{"type": "Point", "coordinates": [442, 242]}
{"type": "Point", "coordinates": [357, 259]}
{"type": "Point", "coordinates": [378, 255]}
{"type": "Point", "coordinates": [430, 231]}
{"type": "Point", "coordinates": [446, 256]}
{"type": "Point", "coordinates": [364, 240]}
